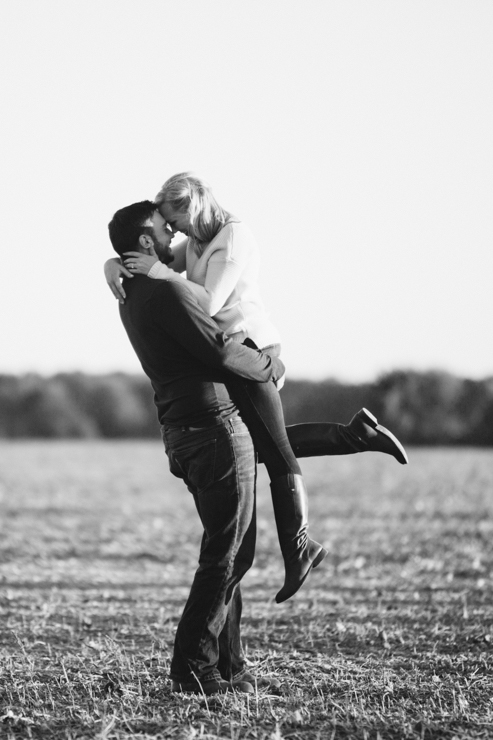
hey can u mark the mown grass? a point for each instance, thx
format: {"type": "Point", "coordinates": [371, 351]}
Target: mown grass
{"type": "Point", "coordinates": [391, 638]}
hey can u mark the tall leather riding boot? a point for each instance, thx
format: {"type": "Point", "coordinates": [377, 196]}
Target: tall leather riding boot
{"type": "Point", "coordinates": [300, 553]}
{"type": "Point", "coordinates": [365, 431]}
{"type": "Point", "coordinates": [362, 434]}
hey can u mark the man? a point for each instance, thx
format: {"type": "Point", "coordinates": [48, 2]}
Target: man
{"type": "Point", "coordinates": [187, 359]}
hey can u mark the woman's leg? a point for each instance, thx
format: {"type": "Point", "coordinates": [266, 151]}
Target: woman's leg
{"type": "Point", "coordinates": [362, 434]}
{"type": "Point", "coordinates": [261, 410]}
{"type": "Point", "coordinates": [279, 446]}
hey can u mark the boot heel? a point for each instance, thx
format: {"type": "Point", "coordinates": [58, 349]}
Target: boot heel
{"type": "Point", "coordinates": [381, 441]}
{"type": "Point", "coordinates": [368, 418]}
{"type": "Point", "coordinates": [321, 556]}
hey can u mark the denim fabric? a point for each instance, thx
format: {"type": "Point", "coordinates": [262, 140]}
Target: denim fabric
{"type": "Point", "coordinates": [261, 409]}
{"type": "Point", "coordinates": [218, 466]}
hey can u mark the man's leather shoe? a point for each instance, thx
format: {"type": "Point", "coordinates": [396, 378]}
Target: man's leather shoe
{"type": "Point", "coordinates": [244, 686]}
{"type": "Point", "coordinates": [374, 437]}
{"type": "Point", "coordinates": [263, 682]}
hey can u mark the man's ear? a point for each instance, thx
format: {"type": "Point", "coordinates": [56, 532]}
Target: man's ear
{"type": "Point", "coordinates": [145, 241]}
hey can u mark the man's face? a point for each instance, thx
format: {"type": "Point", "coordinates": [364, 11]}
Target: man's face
{"type": "Point", "coordinates": [162, 238]}
{"type": "Point", "coordinates": [176, 219]}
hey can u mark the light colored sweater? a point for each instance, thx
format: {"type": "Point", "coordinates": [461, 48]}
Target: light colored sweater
{"type": "Point", "coordinates": [225, 280]}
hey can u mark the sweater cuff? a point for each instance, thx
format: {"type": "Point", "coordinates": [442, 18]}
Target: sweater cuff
{"type": "Point", "coordinates": [157, 273]}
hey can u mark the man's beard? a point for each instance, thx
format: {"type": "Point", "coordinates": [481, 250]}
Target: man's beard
{"type": "Point", "coordinates": [165, 254]}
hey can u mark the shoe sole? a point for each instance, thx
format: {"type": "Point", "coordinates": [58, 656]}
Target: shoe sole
{"type": "Point", "coordinates": [368, 418]}
{"type": "Point", "coordinates": [204, 690]}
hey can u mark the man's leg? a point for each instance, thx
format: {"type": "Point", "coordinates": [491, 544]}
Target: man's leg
{"type": "Point", "coordinates": [231, 658]}
{"type": "Point", "coordinates": [218, 467]}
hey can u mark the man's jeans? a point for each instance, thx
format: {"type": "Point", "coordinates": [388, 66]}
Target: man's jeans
{"type": "Point", "coordinates": [218, 466]}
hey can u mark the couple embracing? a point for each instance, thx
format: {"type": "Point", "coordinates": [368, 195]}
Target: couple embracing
{"type": "Point", "coordinates": [213, 358]}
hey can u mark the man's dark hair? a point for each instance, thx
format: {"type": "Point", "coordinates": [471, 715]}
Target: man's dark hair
{"type": "Point", "coordinates": [128, 224]}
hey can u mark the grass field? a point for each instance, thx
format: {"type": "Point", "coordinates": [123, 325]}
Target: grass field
{"type": "Point", "coordinates": [391, 638]}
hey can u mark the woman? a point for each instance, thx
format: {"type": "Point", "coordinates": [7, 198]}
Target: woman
{"type": "Point", "coordinates": [221, 260]}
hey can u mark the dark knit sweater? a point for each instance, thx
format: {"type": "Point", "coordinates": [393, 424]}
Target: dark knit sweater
{"type": "Point", "coordinates": [184, 353]}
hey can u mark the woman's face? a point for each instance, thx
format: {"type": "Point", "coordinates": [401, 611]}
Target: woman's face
{"type": "Point", "coordinates": [177, 220]}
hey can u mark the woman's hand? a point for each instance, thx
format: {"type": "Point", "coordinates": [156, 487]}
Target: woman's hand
{"type": "Point", "coordinates": [139, 263]}
{"type": "Point", "coordinates": [113, 272]}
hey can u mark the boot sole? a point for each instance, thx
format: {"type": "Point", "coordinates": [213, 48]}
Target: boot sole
{"type": "Point", "coordinates": [368, 418]}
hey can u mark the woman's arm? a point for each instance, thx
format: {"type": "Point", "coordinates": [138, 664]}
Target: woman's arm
{"type": "Point", "coordinates": [223, 269]}
{"type": "Point", "coordinates": [140, 263]}
{"type": "Point", "coordinates": [220, 281]}
{"type": "Point", "coordinates": [113, 271]}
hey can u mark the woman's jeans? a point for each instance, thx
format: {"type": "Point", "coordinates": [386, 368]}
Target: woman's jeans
{"type": "Point", "coordinates": [217, 464]}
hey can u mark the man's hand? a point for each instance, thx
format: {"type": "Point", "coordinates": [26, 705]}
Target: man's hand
{"type": "Point", "coordinates": [137, 262]}
{"type": "Point", "coordinates": [280, 382]}
{"type": "Point", "coordinates": [113, 271]}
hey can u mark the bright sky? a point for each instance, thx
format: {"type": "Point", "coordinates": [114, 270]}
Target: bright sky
{"type": "Point", "coordinates": [353, 136]}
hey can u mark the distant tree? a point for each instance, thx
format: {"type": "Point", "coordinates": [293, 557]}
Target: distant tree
{"type": "Point", "coordinates": [10, 397]}
{"type": "Point", "coordinates": [432, 407]}
{"type": "Point", "coordinates": [421, 408]}
{"type": "Point", "coordinates": [42, 407]}
{"type": "Point", "coordinates": [117, 403]}
{"type": "Point", "coordinates": [480, 409]}
{"type": "Point", "coordinates": [328, 400]}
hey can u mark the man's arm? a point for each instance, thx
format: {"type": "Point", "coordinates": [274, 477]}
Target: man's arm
{"type": "Point", "coordinates": [176, 310]}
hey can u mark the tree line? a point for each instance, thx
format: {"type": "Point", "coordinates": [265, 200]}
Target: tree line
{"type": "Point", "coordinates": [423, 408]}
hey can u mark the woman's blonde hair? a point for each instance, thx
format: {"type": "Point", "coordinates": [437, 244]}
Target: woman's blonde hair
{"type": "Point", "coordinates": [188, 193]}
